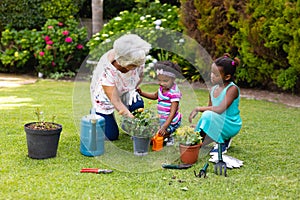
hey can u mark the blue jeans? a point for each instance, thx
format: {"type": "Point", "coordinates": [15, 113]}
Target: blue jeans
{"type": "Point", "coordinates": [111, 126]}
{"type": "Point", "coordinates": [172, 127]}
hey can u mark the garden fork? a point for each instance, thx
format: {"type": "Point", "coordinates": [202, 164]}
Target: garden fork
{"type": "Point", "coordinates": [220, 164]}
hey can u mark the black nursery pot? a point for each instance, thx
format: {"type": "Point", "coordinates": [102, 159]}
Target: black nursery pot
{"type": "Point", "coordinates": [42, 144]}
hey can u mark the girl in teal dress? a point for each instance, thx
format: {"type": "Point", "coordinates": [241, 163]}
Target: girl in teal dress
{"type": "Point", "coordinates": [221, 120]}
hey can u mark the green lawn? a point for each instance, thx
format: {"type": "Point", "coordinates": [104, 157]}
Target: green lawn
{"type": "Point", "coordinates": [268, 144]}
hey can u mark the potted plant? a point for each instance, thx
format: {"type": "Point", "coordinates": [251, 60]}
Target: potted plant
{"type": "Point", "coordinates": [42, 137]}
{"type": "Point", "coordinates": [189, 144]}
{"type": "Point", "coordinates": [142, 128]}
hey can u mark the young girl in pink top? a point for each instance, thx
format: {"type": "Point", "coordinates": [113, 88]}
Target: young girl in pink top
{"type": "Point", "coordinates": [168, 96]}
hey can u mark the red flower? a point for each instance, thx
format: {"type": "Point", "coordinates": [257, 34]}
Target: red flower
{"type": "Point", "coordinates": [79, 46]}
{"type": "Point", "coordinates": [49, 42]}
{"type": "Point", "coordinates": [60, 24]}
{"type": "Point", "coordinates": [46, 38]}
{"type": "Point", "coordinates": [68, 40]}
{"type": "Point", "coordinates": [50, 27]}
{"type": "Point", "coordinates": [42, 53]}
{"type": "Point", "coordinates": [53, 63]}
{"type": "Point", "coordinates": [65, 33]}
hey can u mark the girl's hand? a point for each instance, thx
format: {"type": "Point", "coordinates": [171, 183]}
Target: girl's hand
{"type": "Point", "coordinates": [193, 115]}
{"type": "Point", "coordinates": [162, 131]}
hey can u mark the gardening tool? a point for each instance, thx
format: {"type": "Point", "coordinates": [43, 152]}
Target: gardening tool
{"type": "Point", "coordinates": [202, 171]}
{"type": "Point", "coordinates": [96, 170]}
{"type": "Point", "coordinates": [220, 164]}
{"type": "Point", "coordinates": [174, 166]}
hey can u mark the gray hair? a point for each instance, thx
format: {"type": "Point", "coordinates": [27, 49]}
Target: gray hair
{"type": "Point", "coordinates": [130, 49]}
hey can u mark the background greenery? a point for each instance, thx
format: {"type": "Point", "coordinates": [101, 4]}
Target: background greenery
{"type": "Point", "coordinates": [268, 144]}
{"type": "Point", "coordinates": [264, 35]}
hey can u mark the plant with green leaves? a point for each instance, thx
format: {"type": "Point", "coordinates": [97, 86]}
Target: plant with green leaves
{"type": "Point", "coordinates": [58, 45]}
{"type": "Point", "coordinates": [41, 124]}
{"type": "Point", "coordinates": [144, 124]}
{"type": "Point", "coordinates": [186, 135]}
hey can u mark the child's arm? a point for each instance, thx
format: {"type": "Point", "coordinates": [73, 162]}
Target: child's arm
{"type": "Point", "coordinates": [152, 96]}
{"type": "Point", "coordinates": [163, 129]}
{"type": "Point", "coordinates": [231, 94]}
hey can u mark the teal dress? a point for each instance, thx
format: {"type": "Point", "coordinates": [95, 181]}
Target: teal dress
{"type": "Point", "coordinates": [220, 127]}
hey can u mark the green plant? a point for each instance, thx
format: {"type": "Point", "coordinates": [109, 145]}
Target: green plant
{"type": "Point", "coordinates": [144, 123]}
{"type": "Point", "coordinates": [187, 135]}
{"type": "Point", "coordinates": [58, 45]}
{"type": "Point", "coordinates": [41, 124]}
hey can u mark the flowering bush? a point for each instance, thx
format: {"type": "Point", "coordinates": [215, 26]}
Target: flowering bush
{"type": "Point", "coordinates": [58, 48]}
{"type": "Point", "coordinates": [144, 124]}
{"type": "Point", "coordinates": [57, 44]}
{"type": "Point", "coordinates": [186, 135]}
{"type": "Point", "coordinates": [155, 16]}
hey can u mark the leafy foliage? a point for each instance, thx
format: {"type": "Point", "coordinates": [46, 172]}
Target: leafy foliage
{"type": "Point", "coordinates": [58, 48]}
{"type": "Point", "coordinates": [186, 135]}
{"type": "Point", "coordinates": [144, 123]}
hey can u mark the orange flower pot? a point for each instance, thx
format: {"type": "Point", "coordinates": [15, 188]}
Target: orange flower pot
{"type": "Point", "coordinates": [189, 154]}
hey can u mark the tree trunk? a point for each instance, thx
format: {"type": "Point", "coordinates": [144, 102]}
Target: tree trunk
{"type": "Point", "coordinates": [97, 15]}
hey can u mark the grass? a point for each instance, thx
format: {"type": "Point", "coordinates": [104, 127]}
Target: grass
{"type": "Point", "coordinates": [268, 144]}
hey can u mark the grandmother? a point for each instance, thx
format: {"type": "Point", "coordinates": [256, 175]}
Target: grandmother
{"type": "Point", "coordinates": [118, 73]}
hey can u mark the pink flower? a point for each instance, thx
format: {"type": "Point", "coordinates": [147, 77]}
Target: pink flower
{"type": "Point", "coordinates": [65, 33]}
{"type": "Point", "coordinates": [49, 42]}
{"type": "Point", "coordinates": [60, 24]}
{"type": "Point", "coordinates": [68, 40]}
{"type": "Point", "coordinates": [79, 46]}
{"type": "Point", "coordinates": [50, 27]}
{"type": "Point", "coordinates": [42, 53]}
{"type": "Point", "coordinates": [46, 38]}
{"type": "Point", "coordinates": [53, 63]}
{"type": "Point", "coordinates": [48, 47]}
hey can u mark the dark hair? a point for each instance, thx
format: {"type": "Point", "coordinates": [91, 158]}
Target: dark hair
{"type": "Point", "coordinates": [228, 64]}
{"type": "Point", "coordinates": [168, 66]}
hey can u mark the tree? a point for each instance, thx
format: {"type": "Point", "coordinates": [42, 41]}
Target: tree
{"type": "Point", "coordinates": [97, 16]}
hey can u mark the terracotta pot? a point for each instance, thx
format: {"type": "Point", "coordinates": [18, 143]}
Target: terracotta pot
{"type": "Point", "coordinates": [189, 154]}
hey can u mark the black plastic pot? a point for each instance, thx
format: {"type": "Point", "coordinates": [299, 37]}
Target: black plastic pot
{"type": "Point", "coordinates": [141, 145]}
{"type": "Point", "coordinates": [42, 144]}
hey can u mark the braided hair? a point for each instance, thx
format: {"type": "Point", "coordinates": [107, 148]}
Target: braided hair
{"type": "Point", "coordinates": [228, 64]}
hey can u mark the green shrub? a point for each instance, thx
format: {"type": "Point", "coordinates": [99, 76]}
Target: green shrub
{"type": "Point", "coordinates": [138, 18]}
{"type": "Point", "coordinates": [16, 48]}
{"type": "Point", "coordinates": [58, 48]}
{"type": "Point", "coordinates": [57, 45]}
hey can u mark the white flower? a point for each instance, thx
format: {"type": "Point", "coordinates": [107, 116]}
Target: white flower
{"type": "Point", "coordinates": [107, 40]}
{"type": "Point", "coordinates": [154, 60]}
{"type": "Point", "coordinates": [157, 22]}
{"type": "Point", "coordinates": [142, 18]}
{"type": "Point", "coordinates": [148, 16]}
{"type": "Point", "coordinates": [104, 35]}
{"type": "Point", "coordinates": [148, 57]}
{"type": "Point", "coordinates": [181, 40]}
{"type": "Point", "coordinates": [118, 18]}
{"type": "Point", "coordinates": [151, 64]}
{"type": "Point", "coordinates": [97, 38]}
{"type": "Point", "coordinates": [157, 27]}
